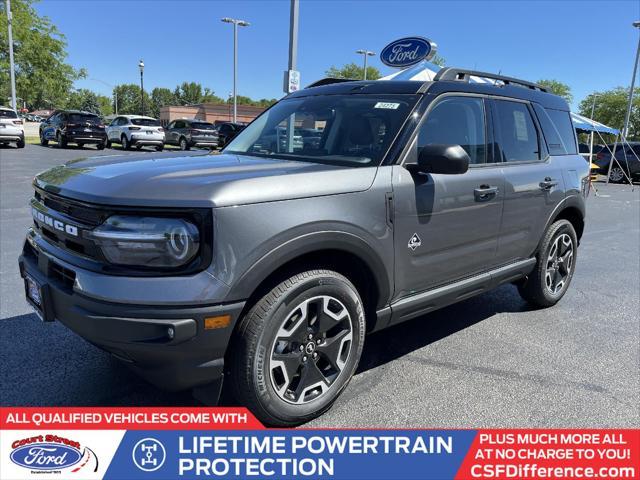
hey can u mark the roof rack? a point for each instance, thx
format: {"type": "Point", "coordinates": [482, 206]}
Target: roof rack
{"type": "Point", "coordinates": [460, 74]}
{"type": "Point", "coordinates": [329, 81]}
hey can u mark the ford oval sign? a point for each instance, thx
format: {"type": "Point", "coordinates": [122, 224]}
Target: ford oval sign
{"type": "Point", "coordinates": [407, 51]}
{"type": "Point", "coordinates": [46, 456]}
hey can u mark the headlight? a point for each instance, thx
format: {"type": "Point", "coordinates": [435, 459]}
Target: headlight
{"type": "Point", "coordinates": [147, 241]}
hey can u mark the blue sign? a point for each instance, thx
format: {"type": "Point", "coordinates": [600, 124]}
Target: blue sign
{"type": "Point", "coordinates": [46, 456]}
{"type": "Point", "coordinates": [407, 51]}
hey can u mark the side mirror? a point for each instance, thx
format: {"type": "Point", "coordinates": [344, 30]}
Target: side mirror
{"type": "Point", "coordinates": [441, 158]}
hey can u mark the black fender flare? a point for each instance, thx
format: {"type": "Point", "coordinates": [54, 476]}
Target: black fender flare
{"type": "Point", "coordinates": [308, 243]}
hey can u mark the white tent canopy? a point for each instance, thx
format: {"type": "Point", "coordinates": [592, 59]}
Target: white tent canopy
{"type": "Point", "coordinates": [425, 71]}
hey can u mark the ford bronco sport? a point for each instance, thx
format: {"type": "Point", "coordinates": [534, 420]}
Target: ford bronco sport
{"type": "Point", "coordinates": [269, 263]}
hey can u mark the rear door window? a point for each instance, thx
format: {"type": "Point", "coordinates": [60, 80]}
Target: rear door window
{"type": "Point", "coordinates": [518, 134]}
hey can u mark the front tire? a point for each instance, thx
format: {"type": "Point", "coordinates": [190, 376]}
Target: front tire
{"type": "Point", "coordinates": [183, 144]}
{"type": "Point", "coordinates": [62, 141]}
{"type": "Point", "coordinates": [555, 266]}
{"type": "Point", "coordinates": [296, 349]}
{"type": "Point", "coordinates": [159, 148]}
{"type": "Point", "coordinates": [124, 141]}
{"type": "Point", "coordinates": [44, 142]}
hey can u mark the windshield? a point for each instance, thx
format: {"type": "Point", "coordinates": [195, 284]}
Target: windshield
{"type": "Point", "coordinates": [145, 122]}
{"type": "Point", "coordinates": [352, 130]}
{"type": "Point", "coordinates": [82, 118]}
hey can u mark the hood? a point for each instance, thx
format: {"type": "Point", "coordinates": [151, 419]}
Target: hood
{"type": "Point", "coordinates": [198, 181]}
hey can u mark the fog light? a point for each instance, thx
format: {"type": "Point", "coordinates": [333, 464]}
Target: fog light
{"type": "Point", "coordinates": [211, 323]}
{"type": "Point", "coordinates": [171, 333]}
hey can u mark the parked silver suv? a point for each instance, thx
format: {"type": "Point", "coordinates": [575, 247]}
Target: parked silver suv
{"type": "Point", "coordinates": [135, 131]}
{"type": "Point", "coordinates": [268, 264]}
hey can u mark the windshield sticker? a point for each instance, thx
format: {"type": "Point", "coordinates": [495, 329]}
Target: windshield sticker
{"type": "Point", "coordinates": [387, 105]}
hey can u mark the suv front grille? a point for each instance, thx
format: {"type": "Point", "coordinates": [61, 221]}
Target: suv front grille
{"type": "Point", "coordinates": [68, 211]}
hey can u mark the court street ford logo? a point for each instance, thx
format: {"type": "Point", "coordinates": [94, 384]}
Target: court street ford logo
{"type": "Point", "coordinates": [407, 51]}
{"type": "Point", "coordinates": [44, 455]}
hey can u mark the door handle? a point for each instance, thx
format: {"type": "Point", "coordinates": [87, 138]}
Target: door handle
{"type": "Point", "coordinates": [548, 183]}
{"type": "Point", "coordinates": [485, 192]}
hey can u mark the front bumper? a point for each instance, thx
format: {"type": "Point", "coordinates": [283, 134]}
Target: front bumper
{"type": "Point", "coordinates": [136, 334]}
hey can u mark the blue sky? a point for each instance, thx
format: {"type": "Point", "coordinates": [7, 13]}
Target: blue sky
{"type": "Point", "coordinates": [588, 44]}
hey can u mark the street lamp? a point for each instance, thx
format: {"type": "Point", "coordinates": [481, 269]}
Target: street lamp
{"type": "Point", "coordinates": [365, 54]}
{"type": "Point", "coordinates": [236, 23]}
{"type": "Point", "coordinates": [11, 64]}
{"type": "Point", "coordinates": [141, 67]}
{"type": "Point", "coordinates": [625, 130]}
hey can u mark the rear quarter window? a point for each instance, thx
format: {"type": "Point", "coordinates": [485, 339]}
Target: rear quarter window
{"type": "Point", "coordinates": [562, 121]}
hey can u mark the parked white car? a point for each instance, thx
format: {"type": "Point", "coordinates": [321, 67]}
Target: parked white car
{"type": "Point", "coordinates": [11, 127]}
{"type": "Point", "coordinates": [135, 131]}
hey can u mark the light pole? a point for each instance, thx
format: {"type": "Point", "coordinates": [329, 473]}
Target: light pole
{"type": "Point", "coordinates": [625, 130]}
{"type": "Point", "coordinates": [236, 23]}
{"type": "Point", "coordinates": [11, 65]}
{"type": "Point", "coordinates": [365, 54]}
{"type": "Point", "coordinates": [141, 66]}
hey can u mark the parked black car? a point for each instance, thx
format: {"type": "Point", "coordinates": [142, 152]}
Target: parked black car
{"type": "Point", "coordinates": [627, 155]}
{"type": "Point", "coordinates": [190, 132]}
{"type": "Point", "coordinates": [73, 126]}
{"type": "Point", "coordinates": [227, 131]}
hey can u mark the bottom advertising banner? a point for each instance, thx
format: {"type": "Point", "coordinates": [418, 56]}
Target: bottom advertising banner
{"type": "Point", "coordinates": [169, 443]}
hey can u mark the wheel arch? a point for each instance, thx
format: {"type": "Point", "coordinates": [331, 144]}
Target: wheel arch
{"type": "Point", "coordinates": [342, 252]}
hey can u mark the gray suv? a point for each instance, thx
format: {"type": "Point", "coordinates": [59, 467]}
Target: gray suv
{"type": "Point", "coordinates": [267, 265]}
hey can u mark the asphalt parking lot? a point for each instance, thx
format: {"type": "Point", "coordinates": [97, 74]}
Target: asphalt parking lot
{"type": "Point", "coordinates": [490, 361]}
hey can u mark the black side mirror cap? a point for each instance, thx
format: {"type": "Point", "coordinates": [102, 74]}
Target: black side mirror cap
{"type": "Point", "coordinates": [441, 158]}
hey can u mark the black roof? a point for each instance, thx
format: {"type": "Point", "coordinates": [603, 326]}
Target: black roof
{"type": "Point", "coordinates": [409, 87]}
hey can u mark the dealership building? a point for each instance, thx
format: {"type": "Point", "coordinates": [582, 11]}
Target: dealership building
{"type": "Point", "coordinates": [209, 112]}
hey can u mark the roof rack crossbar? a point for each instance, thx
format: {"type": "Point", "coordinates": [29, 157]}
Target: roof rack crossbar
{"type": "Point", "coordinates": [460, 74]}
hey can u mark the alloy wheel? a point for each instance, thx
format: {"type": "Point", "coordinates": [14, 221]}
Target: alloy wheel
{"type": "Point", "coordinates": [311, 349]}
{"type": "Point", "coordinates": [559, 264]}
{"type": "Point", "coordinates": [616, 174]}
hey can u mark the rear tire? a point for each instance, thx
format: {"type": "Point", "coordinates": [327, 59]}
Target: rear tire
{"type": "Point", "coordinates": [159, 148]}
{"type": "Point", "coordinates": [100, 146]}
{"type": "Point", "coordinates": [108, 144]}
{"type": "Point", "coordinates": [556, 263]}
{"type": "Point", "coordinates": [81, 145]}
{"type": "Point", "coordinates": [20, 143]}
{"type": "Point", "coordinates": [616, 175]}
{"type": "Point", "coordinates": [296, 349]}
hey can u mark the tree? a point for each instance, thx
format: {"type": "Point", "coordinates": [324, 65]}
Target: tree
{"type": "Point", "coordinates": [43, 78]}
{"type": "Point", "coordinates": [89, 101]}
{"type": "Point", "coordinates": [129, 99]}
{"type": "Point", "coordinates": [438, 60]}
{"type": "Point", "coordinates": [353, 71]}
{"type": "Point", "coordinates": [611, 107]}
{"type": "Point", "coordinates": [161, 97]}
{"type": "Point", "coordinates": [190, 93]}
{"type": "Point", "coordinates": [558, 88]}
